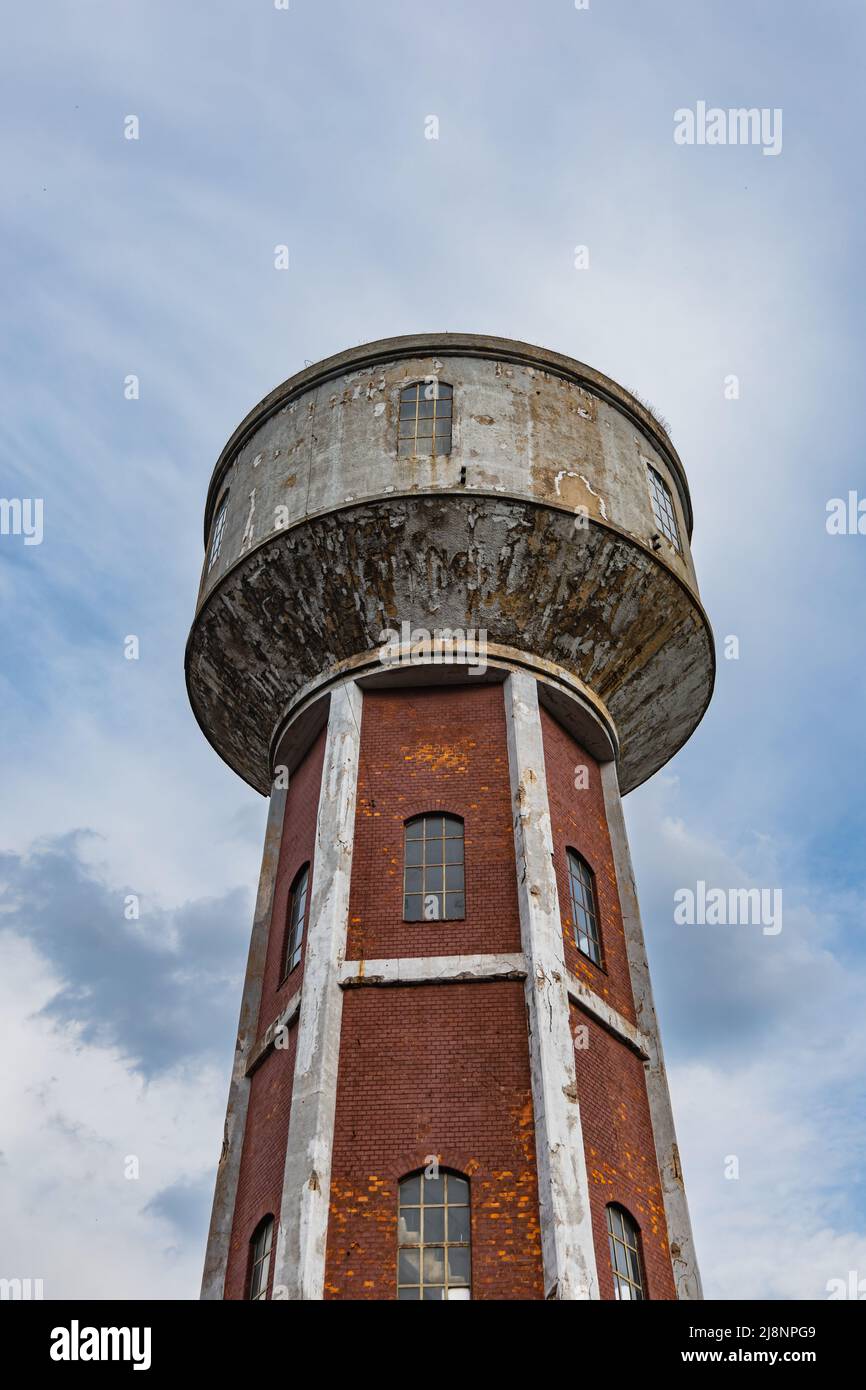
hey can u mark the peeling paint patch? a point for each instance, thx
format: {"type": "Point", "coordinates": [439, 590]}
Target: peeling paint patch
{"type": "Point", "coordinates": [591, 489]}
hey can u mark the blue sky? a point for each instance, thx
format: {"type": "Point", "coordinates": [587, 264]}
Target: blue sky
{"type": "Point", "coordinates": [155, 257]}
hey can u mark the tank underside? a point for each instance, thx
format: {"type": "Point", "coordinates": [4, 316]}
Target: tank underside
{"type": "Point", "coordinates": [587, 603]}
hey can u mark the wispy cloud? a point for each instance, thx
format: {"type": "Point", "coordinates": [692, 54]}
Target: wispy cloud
{"type": "Point", "coordinates": [159, 987]}
{"type": "Point", "coordinates": [156, 258]}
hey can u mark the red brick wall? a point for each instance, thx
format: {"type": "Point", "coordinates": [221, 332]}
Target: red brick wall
{"type": "Point", "coordinates": [620, 1153]}
{"type": "Point", "coordinates": [444, 1070]}
{"type": "Point", "coordinates": [427, 750]}
{"type": "Point", "coordinates": [263, 1157]}
{"type": "Point", "coordinates": [579, 821]}
{"type": "Point", "coordinates": [263, 1160]}
{"type": "Point", "coordinates": [296, 849]}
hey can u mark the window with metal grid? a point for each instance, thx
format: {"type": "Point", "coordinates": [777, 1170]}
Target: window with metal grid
{"type": "Point", "coordinates": [434, 1238]}
{"type": "Point", "coordinates": [584, 907]}
{"type": "Point", "coordinates": [625, 1258]}
{"type": "Point", "coordinates": [218, 529]}
{"type": "Point", "coordinates": [433, 883]}
{"type": "Point", "coordinates": [425, 419]}
{"type": "Point", "coordinates": [260, 1259]}
{"type": "Point", "coordinates": [663, 506]}
{"type": "Point", "coordinates": [295, 920]}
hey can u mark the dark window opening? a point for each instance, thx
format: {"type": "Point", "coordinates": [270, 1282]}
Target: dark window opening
{"type": "Point", "coordinates": [425, 420]}
{"type": "Point", "coordinates": [295, 920]}
{"type": "Point", "coordinates": [433, 882]}
{"type": "Point", "coordinates": [584, 907]}
{"type": "Point", "coordinates": [260, 1259]}
{"type": "Point", "coordinates": [663, 507]}
{"type": "Point", "coordinates": [434, 1239]}
{"type": "Point", "coordinates": [625, 1258]}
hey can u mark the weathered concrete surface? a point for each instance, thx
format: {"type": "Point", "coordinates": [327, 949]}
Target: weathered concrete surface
{"type": "Point", "coordinates": [568, 1252]}
{"type": "Point", "coordinates": [432, 970]}
{"type": "Point", "coordinates": [299, 1268]}
{"type": "Point", "coordinates": [280, 1025]}
{"type": "Point", "coordinates": [592, 1004]}
{"type": "Point", "coordinates": [527, 421]}
{"type": "Point", "coordinates": [593, 602]}
{"type": "Point", "coordinates": [682, 1247]}
{"type": "Point", "coordinates": [222, 1214]}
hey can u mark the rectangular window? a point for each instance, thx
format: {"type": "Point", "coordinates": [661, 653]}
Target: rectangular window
{"type": "Point", "coordinates": [425, 420]}
{"type": "Point", "coordinates": [433, 884]}
{"type": "Point", "coordinates": [663, 507]}
{"type": "Point", "coordinates": [217, 539]}
{"type": "Point", "coordinates": [584, 911]}
{"type": "Point", "coordinates": [434, 1239]}
{"type": "Point", "coordinates": [260, 1262]}
{"type": "Point", "coordinates": [296, 917]}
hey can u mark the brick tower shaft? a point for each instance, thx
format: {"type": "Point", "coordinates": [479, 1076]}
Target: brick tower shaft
{"type": "Point", "coordinates": [448, 1081]}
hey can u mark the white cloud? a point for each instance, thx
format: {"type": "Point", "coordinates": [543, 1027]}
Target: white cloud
{"type": "Point", "coordinates": [72, 1115]}
{"type": "Point", "coordinates": [765, 1038]}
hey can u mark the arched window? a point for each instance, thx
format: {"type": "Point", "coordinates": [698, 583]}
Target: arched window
{"type": "Point", "coordinates": [663, 506]}
{"type": "Point", "coordinates": [219, 527]}
{"type": "Point", "coordinates": [625, 1258]}
{"type": "Point", "coordinates": [434, 1238]}
{"type": "Point", "coordinates": [584, 907]}
{"type": "Point", "coordinates": [260, 1258]}
{"type": "Point", "coordinates": [295, 919]}
{"type": "Point", "coordinates": [425, 419]}
{"type": "Point", "coordinates": [433, 885]}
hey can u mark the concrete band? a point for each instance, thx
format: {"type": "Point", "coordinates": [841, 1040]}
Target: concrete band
{"type": "Point", "coordinates": [299, 1268]}
{"type": "Point", "coordinates": [568, 1251]}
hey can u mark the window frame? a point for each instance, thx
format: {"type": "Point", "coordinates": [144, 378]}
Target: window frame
{"type": "Point", "coordinates": [419, 386]}
{"type": "Point", "coordinates": [446, 1176]}
{"type": "Point", "coordinates": [662, 503]}
{"type": "Point", "coordinates": [421, 867]}
{"type": "Point", "coordinates": [289, 964]}
{"type": "Point", "coordinates": [633, 1257]}
{"type": "Point", "coordinates": [593, 913]}
{"type": "Point", "coordinates": [265, 1228]}
{"type": "Point", "coordinates": [218, 531]}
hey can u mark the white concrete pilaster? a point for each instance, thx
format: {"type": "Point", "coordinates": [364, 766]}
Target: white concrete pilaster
{"type": "Point", "coordinates": [228, 1170]}
{"type": "Point", "coordinates": [299, 1271]}
{"type": "Point", "coordinates": [568, 1252]}
{"type": "Point", "coordinates": [686, 1274]}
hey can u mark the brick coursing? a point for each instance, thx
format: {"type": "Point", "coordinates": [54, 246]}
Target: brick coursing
{"type": "Point", "coordinates": [263, 1157]}
{"type": "Point", "coordinates": [434, 1070]}
{"type": "Point", "coordinates": [443, 1070]}
{"type": "Point", "coordinates": [579, 821]}
{"type": "Point", "coordinates": [296, 849]}
{"type": "Point", "coordinates": [263, 1160]}
{"type": "Point", "coordinates": [620, 1152]}
{"type": "Point", "coordinates": [428, 750]}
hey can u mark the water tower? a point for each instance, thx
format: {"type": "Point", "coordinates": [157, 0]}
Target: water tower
{"type": "Point", "coordinates": [448, 616]}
